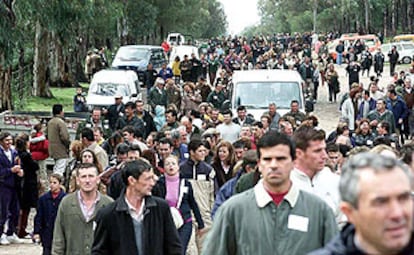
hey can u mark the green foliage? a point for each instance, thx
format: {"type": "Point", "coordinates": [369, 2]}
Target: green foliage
{"type": "Point", "coordinates": [62, 96]}
{"type": "Point", "coordinates": [332, 15]}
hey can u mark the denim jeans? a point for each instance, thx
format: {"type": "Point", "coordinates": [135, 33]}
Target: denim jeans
{"type": "Point", "coordinates": [339, 58]}
{"type": "Point", "coordinates": [185, 235]}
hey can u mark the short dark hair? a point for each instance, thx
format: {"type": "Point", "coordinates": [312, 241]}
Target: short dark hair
{"type": "Point", "coordinates": [172, 111]}
{"type": "Point", "coordinates": [135, 147]}
{"type": "Point", "coordinates": [121, 148]}
{"type": "Point", "coordinates": [407, 153]}
{"type": "Point", "coordinates": [386, 125]}
{"type": "Point", "coordinates": [241, 108]}
{"type": "Point", "coordinates": [392, 91]}
{"type": "Point", "coordinates": [294, 101]}
{"type": "Point", "coordinates": [304, 135]}
{"type": "Point", "coordinates": [88, 134]}
{"type": "Point", "coordinates": [332, 147]}
{"type": "Point", "coordinates": [134, 168]}
{"type": "Point", "coordinates": [57, 109]}
{"type": "Point", "coordinates": [130, 105]}
{"type": "Point", "coordinates": [273, 138]}
{"type": "Point", "coordinates": [195, 144]}
{"type": "Point", "coordinates": [166, 140]}
{"type": "Point", "coordinates": [227, 111]}
{"type": "Point", "coordinates": [129, 129]}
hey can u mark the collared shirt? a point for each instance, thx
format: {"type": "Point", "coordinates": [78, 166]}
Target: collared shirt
{"type": "Point", "coordinates": [88, 212]}
{"type": "Point", "coordinates": [263, 198]}
{"type": "Point", "coordinates": [137, 215]}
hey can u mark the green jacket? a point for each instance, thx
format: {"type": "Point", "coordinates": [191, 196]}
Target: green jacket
{"type": "Point", "coordinates": [72, 235]}
{"type": "Point", "coordinates": [251, 223]}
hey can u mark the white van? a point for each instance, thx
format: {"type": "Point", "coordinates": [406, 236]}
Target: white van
{"type": "Point", "coordinates": [106, 84]}
{"type": "Point", "coordinates": [256, 89]}
{"type": "Point", "coordinates": [180, 51]}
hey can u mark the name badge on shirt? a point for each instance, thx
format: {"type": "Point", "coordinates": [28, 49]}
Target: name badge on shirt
{"type": "Point", "coordinates": [201, 177]}
{"type": "Point", "coordinates": [93, 225]}
{"type": "Point", "coordinates": [297, 222]}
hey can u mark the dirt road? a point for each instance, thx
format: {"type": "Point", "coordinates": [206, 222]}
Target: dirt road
{"type": "Point", "coordinates": [327, 113]}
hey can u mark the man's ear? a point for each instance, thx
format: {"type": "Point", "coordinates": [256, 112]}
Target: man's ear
{"type": "Point", "coordinates": [348, 210]}
{"type": "Point", "coordinates": [131, 180]}
{"type": "Point", "coordinates": [299, 153]}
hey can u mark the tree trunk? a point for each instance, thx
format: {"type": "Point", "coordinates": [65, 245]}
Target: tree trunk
{"type": "Point", "coordinates": [5, 85]}
{"type": "Point", "coordinates": [410, 15]}
{"type": "Point", "coordinates": [21, 92]}
{"type": "Point", "coordinates": [367, 25]}
{"type": "Point", "coordinates": [404, 15]}
{"type": "Point", "coordinates": [393, 17]}
{"type": "Point", "coordinates": [40, 81]}
{"type": "Point", "coordinates": [315, 14]}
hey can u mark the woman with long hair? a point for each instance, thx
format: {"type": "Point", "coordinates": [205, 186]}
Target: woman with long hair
{"type": "Point", "coordinates": [178, 192]}
{"type": "Point", "coordinates": [223, 162]}
{"type": "Point", "coordinates": [28, 193]}
{"type": "Point", "coordinates": [86, 156]}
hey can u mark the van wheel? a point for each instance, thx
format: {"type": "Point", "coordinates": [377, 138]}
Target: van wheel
{"type": "Point", "coordinates": [406, 60]}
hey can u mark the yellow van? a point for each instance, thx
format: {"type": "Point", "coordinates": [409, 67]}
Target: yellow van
{"type": "Point", "coordinates": [399, 38]}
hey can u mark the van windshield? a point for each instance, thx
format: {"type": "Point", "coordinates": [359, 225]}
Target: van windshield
{"type": "Point", "coordinates": [258, 95]}
{"type": "Point", "coordinates": [109, 89]}
{"type": "Point", "coordinates": [132, 54]}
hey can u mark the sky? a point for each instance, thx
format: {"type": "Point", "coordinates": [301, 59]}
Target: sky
{"type": "Point", "coordinates": [240, 14]}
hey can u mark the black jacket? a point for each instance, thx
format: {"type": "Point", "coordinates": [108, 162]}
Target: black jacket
{"type": "Point", "coordinates": [114, 233]}
{"type": "Point", "coordinates": [188, 202]}
{"type": "Point", "coordinates": [343, 244]}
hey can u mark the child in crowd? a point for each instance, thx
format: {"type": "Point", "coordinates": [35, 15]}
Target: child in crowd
{"type": "Point", "coordinates": [48, 205]}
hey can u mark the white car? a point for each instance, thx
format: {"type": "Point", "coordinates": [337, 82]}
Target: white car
{"type": "Point", "coordinates": [107, 84]}
{"type": "Point", "coordinates": [405, 51]}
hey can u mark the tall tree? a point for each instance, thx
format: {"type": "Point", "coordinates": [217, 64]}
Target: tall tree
{"type": "Point", "coordinates": [7, 43]}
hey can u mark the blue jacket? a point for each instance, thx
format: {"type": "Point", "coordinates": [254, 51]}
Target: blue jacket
{"type": "Point", "coordinates": [372, 106]}
{"type": "Point", "coordinates": [225, 192]}
{"type": "Point", "coordinates": [44, 221]}
{"type": "Point", "coordinates": [181, 152]}
{"type": "Point", "coordinates": [7, 178]}
{"type": "Point", "coordinates": [188, 202]}
{"type": "Point", "coordinates": [398, 108]}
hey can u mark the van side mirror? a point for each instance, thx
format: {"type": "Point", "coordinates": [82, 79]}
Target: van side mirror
{"type": "Point", "coordinates": [134, 95]}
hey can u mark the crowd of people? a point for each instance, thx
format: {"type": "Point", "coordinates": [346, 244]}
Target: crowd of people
{"type": "Point", "coordinates": [185, 176]}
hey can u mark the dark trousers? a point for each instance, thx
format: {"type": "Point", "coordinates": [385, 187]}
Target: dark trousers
{"type": "Point", "coordinates": [47, 250]}
{"type": "Point", "coordinates": [332, 94]}
{"type": "Point", "coordinates": [185, 235]}
{"type": "Point", "coordinates": [392, 68]}
{"type": "Point", "coordinates": [9, 209]}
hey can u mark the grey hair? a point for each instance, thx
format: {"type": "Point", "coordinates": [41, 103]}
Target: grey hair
{"type": "Point", "coordinates": [349, 182]}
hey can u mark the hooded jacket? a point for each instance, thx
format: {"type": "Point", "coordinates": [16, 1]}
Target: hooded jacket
{"type": "Point", "coordinates": [343, 244]}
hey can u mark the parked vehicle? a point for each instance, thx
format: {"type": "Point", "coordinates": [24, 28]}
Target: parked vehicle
{"type": "Point", "coordinates": [106, 84]}
{"type": "Point", "coordinates": [405, 51]}
{"type": "Point", "coordinates": [349, 40]}
{"type": "Point", "coordinates": [182, 50]}
{"type": "Point", "coordinates": [175, 39]}
{"type": "Point", "coordinates": [256, 89]}
{"type": "Point", "coordinates": [404, 38]}
{"type": "Point", "coordinates": [137, 58]}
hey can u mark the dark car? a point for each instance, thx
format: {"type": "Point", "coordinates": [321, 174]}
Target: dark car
{"type": "Point", "coordinates": [137, 58]}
